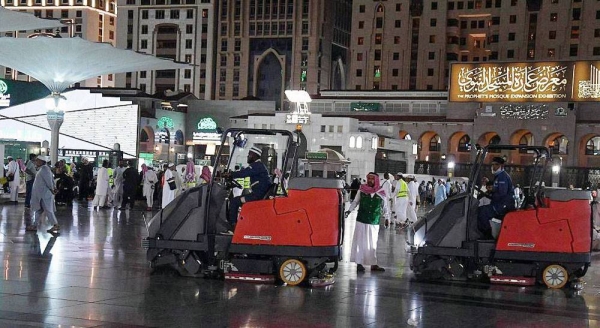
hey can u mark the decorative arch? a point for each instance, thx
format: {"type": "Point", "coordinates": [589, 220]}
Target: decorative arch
{"type": "Point", "coordinates": [522, 137]}
{"type": "Point", "coordinates": [178, 137]}
{"type": "Point", "coordinates": [148, 133]}
{"type": "Point", "coordinates": [338, 78]}
{"type": "Point", "coordinates": [489, 138]}
{"type": "Point", "coordinates": [404, 135]}
{"type": "Point", "coordinates": [459, 145]}
{"type": "Point", "coordinates": [269, 76]}
{"type": "Point", "coordinates": [379, 8]}
{"type": "Point", "coordinates": [429, 146]}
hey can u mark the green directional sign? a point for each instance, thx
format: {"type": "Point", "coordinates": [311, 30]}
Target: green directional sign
{"type": "Point", "coordinates": [316, 155]}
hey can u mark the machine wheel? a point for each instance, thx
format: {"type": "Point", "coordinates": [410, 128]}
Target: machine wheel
{"type": "Point", "coordinates": [292, 272]}
{"type": "Point", "coordinates": [555, 276]}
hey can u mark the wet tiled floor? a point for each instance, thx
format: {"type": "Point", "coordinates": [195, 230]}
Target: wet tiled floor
{"type": "Point", "coordinates": [95, 275]}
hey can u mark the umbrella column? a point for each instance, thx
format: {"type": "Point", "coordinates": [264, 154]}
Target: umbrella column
{"type": "Point", "coordinates": [55, 120]}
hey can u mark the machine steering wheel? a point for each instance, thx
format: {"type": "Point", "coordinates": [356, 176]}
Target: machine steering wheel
{"type": "Point", "coordinates": [234, 184]}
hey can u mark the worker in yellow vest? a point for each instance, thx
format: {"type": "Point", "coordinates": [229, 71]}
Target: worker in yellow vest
{"type": "Point", "coordinates": [401, 200]}
{"type": "Point", "coordinates": [111, 184]}
{"type": "Point", "coordinates": [244, 182]}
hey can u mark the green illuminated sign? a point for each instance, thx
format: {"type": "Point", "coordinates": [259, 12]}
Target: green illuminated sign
{"type": "Point", "coordinates": [364, 107]}
{"type": "Point", "coordinates": [316, 155]}
{"type": "Point", "coordinates": [165, 122]}
{"type": "Point", "coordinates": [207, 123]}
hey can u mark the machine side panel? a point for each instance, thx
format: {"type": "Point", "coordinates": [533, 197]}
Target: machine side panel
{"type": "Point", "coordinates": [259, 224]}
{"type": "Point", "coordinates": [577, 212]}
{"type": "Point", "coordinates": [522, 231]}
{"type": "Point", "coordinates": [322, 209]}
{"type": "Point", "coordinates": [450, 231]}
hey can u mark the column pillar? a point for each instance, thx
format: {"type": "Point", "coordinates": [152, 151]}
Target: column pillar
{"type": "Point", "coordinates": [55, 120]}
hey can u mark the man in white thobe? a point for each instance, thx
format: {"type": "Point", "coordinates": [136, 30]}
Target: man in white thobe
{"type": "Point", "coordinates": [178, 182]}
{"type": "Point", "coordinates": [150, 180]}
{"type": "Point", "coordinates": [388, 186]}
{"type": "Point", "coordinates": [15, 171]}
{"type": "Point", "coordinates": [42, 196]}
{"type": "Point", "coordinates": [168, 194]}
{"type": "Point", "coordinates": [118, 189]}
{"type": "Point", "coordinates": [400, 201]}
{"type": "Point", "coordinates": [413, 193]}
{"type": "Point", "coordinates": [102, 188]}
{"type": "Point", "coordinates": [373, 206]}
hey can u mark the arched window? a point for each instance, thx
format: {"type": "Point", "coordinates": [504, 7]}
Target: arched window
{"type": "Point", "coordinates": [144, 136]}
{"type": "Point", "coordinates": [591, 148]}
{"type": "Point", "coordinates": [179, 137]}
{"type": "Point", "coordinates": [464, 144]}
{"type": "Point", "coordinates": [352, 142]}
{"type": "Point", "coordinates": [495, 140]}
{"type": "Point", "coordinates": [526, 140]}
{"type": "Point", "coordinates": [379, 8]}
{"type": "Point", "coordinates": [359, 142]}
{"type": "Point", "coordinates": [559, 145]}
{"type": "Point", "coordinates": [435, 143]}
{"type": "Point", "coordinates": [407, 137]}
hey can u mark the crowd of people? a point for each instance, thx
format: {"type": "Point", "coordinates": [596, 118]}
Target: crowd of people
{"type": "Point", "coordinates": [47, 186]}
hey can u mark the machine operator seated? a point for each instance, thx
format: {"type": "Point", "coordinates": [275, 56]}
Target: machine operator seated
{"type": "Point", "coordinates": [502, 198]}
{"type": "Point", "coordinates": [259, 184]}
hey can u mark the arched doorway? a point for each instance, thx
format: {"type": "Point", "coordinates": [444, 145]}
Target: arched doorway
{"type": "Point", "coordinates": [178, 137]}
{"type": "Point", "coordinates": [338, 78]}
{"type": "Point", "coordinates": [268, 82]}
{"type": "Point", "coordinates": [147, 139]}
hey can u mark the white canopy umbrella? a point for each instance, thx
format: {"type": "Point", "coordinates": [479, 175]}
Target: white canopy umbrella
{"type": "Point", "coordinates": [16, 21]}
{"type": "Point", "coordinates": [59, 63]}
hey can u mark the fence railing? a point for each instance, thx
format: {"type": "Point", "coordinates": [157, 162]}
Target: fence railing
{"type": "Point", "coordinates": [579, 177]}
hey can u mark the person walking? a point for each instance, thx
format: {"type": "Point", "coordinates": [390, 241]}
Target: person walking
{"type": "Point", "coordinates": [178, 182]}
{"type": "Point", "coordinates": [118, 189]}
{"type": "Point", "coordinates": [388, 185]}
{"type": "Point", "coordinates": [131, 179]}
{"type": "Point", "coordinates": [150, 180]}
{"type": "Point", "coordinates": [42, 196]}
{"type": "Point", "coordinates": [30, 173]}
{"type": "Point", "coordinates": [86, 174]}
{"type": "Point", "coordinates": [168, 194]}
{"type": "Point", "coordinates": [401, 200]}
{"type": "Point", "coordinates": [440, 192]}
{"type": "Point", "coordinates": [102, 187]}
{"type": "Point", "coordinates": [372, 206]}
{"type": "Point", "coordinates": [13, 173]}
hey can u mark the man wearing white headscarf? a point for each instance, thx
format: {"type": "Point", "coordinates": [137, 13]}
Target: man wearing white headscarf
{"type": "Point", "coordinates": [150, 180]}
{"type": "Point", "coordinates": [42, 196]}
{"type": "Point", "coordinates": [13, 172]}
{"type": "Point", "coordinates": [168, 180]}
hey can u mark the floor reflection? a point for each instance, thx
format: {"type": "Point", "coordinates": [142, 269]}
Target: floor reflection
{"type": "Point", "coordinates": [95, 274]}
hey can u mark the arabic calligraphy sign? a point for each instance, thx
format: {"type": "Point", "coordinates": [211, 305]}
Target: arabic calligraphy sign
{"type": "Point", "coordinates": [525, 82]}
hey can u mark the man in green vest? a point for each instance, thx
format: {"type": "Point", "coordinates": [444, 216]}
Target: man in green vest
{"type": "Point", "coordinates": [373, 206]}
